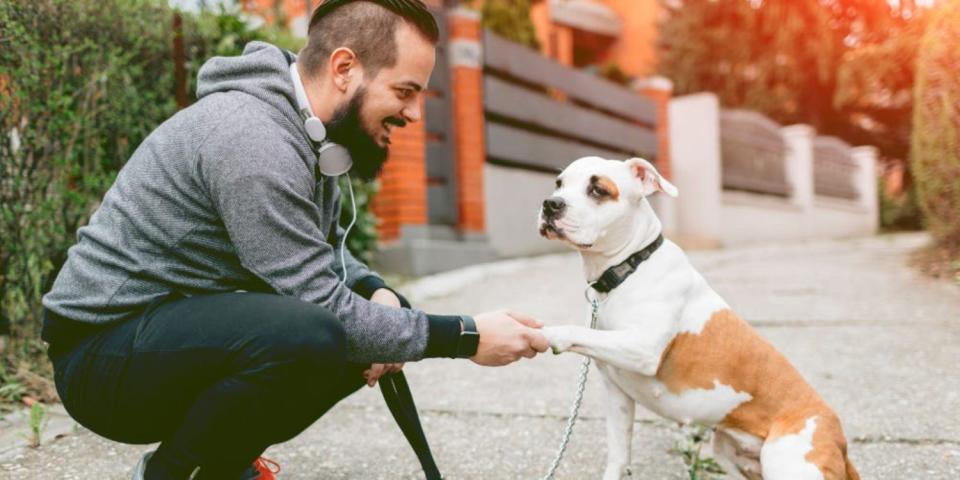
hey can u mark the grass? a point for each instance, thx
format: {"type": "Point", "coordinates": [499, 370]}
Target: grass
{"type": "Point", "coordinates": [690, 448]}
{"type": "Point", "coordinates": [38, 420]}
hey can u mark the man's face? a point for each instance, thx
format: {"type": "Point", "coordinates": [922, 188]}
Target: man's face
{"type": "Point", "coordinates": [384, 103]}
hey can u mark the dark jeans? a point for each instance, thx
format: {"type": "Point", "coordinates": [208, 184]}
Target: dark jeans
{"type": "Point", "coordinates": [216, 379]}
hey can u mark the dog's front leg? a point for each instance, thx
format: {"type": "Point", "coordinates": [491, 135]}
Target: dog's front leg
{"type": "Point", "coordinates": [620, 410]}
{"type": "Point", "coordinates": [636, 350]}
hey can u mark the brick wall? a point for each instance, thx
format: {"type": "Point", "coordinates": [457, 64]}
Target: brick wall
{"type": "Point", "coordinates": [403, 194]}
{"type": "Point", "coordinates": [660, 91]}
{"type": "Point", "coordinates": [467, 99]}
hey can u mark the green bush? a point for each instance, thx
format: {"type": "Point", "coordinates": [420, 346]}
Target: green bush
{"type": "Point", "coordinates": [900, 212]}
{"type": "Point", "coordinates": [82, 83]}
{"type": "Point", "coordinates": [511, 20]}
{"type": "Point", "coordinates": [935, 152]}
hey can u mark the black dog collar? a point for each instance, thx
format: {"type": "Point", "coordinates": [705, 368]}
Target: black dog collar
{"type": "Point", "coordinates": [616, 274]}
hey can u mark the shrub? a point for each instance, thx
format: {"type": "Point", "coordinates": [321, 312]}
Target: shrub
{"type": "Point", "coordinates": [82, 83]}
{"type": "Point", "coordinates": [935, 152]}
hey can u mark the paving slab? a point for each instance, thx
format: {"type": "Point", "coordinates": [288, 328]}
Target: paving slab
{"type": "Point", "coordinates": [878, 341]}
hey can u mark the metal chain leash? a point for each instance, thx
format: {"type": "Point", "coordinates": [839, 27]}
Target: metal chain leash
{"type": "Point", "coordinates": [578, 397]}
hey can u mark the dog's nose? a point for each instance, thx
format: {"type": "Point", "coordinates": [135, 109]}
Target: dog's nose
{"type": "Point", "coordinates": [553, 205]}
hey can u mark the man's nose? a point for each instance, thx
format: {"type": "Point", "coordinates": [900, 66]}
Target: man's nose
{"type": "Point", "coordinates": [553, 206]}
{"type": "Point", "coordinates": [412, 113]}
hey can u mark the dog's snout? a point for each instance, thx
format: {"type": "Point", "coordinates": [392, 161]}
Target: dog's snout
{"type": "Point", "coordinates": [553, 206]}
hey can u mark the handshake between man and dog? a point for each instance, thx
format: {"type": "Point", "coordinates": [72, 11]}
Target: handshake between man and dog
{"type": "Point", "coordinates": [665, 339]}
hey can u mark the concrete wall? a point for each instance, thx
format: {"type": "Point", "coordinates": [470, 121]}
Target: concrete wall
{"type": "Point", "coordinates": [753, 218]}
{"type": "Point", "coordinates": [513, 197]}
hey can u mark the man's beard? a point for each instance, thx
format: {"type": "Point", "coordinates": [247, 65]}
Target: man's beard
{"type": "Point", "coordinates": [346, 129]}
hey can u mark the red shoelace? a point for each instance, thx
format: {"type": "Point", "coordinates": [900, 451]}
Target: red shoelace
{"type": "Point", "coordinates": [266, 468]}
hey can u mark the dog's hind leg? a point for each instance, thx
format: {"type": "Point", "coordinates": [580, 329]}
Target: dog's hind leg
{"type": "Point", "coordinates": [620, 411]}
{"type": "Point", "coordinates": [811, 448]}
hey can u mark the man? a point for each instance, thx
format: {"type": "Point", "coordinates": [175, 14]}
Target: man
{"type": "Point", "coordinates": [202, 307]}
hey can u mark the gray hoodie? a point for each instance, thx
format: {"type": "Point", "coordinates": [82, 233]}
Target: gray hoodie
{"type": "Point", "coordinates": [225, 196]}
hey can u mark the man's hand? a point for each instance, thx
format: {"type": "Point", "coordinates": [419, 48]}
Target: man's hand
{"type": "Point", "coordinates": [382, 296]}
{"type": "Point", "coordinates": [377, 370]}
{"type": "Point", "coordinates": [507, 336]}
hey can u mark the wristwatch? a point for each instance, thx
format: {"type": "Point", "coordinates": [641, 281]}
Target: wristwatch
{"type": "Point", "coordinates": [469, 338]}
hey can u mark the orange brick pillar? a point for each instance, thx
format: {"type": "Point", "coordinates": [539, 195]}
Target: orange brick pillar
{"type": "Point", "coordinates": [660, 90]}
{"type": "Point", "coordinates": [466, 65]}
{"type": "Point", "coordinates": [402, 199]}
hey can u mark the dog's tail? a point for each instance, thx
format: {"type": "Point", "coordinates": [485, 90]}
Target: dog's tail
{"type": "Point", "coordinates": [851, 471]}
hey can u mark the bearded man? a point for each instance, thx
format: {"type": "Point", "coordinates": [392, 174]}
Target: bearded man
{"type": "Point", "coordinates": [205, 305]}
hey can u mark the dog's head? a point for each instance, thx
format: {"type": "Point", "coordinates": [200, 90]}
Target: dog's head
{"type": "Point", "coordinates": [599, 201]}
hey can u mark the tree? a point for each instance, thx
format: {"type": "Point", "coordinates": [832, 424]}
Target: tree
{"type": "Point", "coordinates": [935, 155]}
{"type": "Point", "coordinates": [842, 66]}
{"type": "Point", "coordinates": [510, 19]}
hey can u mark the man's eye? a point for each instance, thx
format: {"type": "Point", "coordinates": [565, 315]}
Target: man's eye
{"type": "Point", "coordinates": [405, 93]}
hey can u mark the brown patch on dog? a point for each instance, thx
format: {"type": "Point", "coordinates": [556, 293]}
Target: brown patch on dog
{"type": "Point", "coordinates": [608, 185]}
{"type": "Point", "coordinates": [730, 351]}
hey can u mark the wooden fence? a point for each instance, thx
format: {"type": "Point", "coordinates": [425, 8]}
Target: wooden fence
{"type": "Point", "coordinates": [541, 115]}
{"type": "Point", "coordinates": [834, 169]}
{"type": "Point", "coordinates": [753, 154]}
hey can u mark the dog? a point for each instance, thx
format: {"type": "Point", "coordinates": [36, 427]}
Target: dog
{"type": "Point", "coordinates": [668, 341]}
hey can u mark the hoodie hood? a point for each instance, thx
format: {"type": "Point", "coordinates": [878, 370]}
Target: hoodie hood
{"type": "Point", "coordinates": [262, 71]}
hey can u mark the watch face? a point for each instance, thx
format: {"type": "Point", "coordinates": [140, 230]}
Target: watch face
{"type": "Point", "coordinates": [469, 341]}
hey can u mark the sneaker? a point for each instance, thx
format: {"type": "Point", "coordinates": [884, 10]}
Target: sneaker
{"type": "Point", "coordinates": [262, 469]}
{"type": "Point", "coordinates": [142, 466]}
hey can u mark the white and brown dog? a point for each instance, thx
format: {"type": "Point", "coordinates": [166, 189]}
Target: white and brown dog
{"type": "Point", "coordinates": [665, 339]}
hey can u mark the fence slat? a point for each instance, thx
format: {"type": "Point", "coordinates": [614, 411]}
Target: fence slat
{"type": "Point", "coordinates": [520, 62]}
{"type": "Point", "coordinates": [523, 148]}
{"type": "Point", "coordinates": [518, 103]}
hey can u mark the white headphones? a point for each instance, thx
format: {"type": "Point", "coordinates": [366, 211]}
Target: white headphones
{"type": "Point", "coordinates": [333, 159]}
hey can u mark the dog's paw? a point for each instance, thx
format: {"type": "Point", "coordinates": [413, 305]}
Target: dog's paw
{"type": "Point", "coordinates": [558, 339]}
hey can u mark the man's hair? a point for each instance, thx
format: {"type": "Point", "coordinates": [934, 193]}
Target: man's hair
{"type": "Point", "coordinates": [368, 27]}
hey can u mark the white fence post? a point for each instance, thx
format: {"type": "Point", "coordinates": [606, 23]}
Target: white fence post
{"type": "Point", "coordinates": [866, 181]}
{"type": "Point", "coordinates": [799, 159]}
{"type": "Point", "coordinates": [695, 163]}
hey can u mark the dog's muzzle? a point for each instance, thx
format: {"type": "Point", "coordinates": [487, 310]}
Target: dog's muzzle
{"type": "Point", "coordinates": [553, 208]}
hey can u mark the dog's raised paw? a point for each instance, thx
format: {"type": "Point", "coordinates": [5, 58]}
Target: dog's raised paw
{"type": "Point", "coordinates": [556, 338]}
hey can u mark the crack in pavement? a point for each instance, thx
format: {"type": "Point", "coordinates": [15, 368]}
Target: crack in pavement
{"type": "Point", "coordinates": [862, 439]}
{"type": "Point", "coordinates": [886, 439]}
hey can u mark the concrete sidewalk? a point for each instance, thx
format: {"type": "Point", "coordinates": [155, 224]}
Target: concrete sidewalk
{"type": "Point", "coordinates": [880, 344]}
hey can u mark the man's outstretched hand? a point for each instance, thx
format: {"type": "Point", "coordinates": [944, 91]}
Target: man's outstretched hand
{"type": "Point", "coordinates": [506, 336]}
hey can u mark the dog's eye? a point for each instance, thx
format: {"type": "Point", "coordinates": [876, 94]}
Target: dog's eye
{"type": "Point", "coordinates": [559, 183]}
{"type": "Point", "coordinates": [597, 192]}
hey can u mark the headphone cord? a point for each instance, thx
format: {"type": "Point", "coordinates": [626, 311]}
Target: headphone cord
{"type": "Point", "coordinates": [343, 243]}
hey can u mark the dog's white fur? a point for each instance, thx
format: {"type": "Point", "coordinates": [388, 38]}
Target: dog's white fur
{"type": "Point", "coordinates": [638, 320]}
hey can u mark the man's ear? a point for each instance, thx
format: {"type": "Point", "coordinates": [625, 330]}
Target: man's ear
{"type": "Point", "coordinates": [650, 177]}
{"type": "Point", "coordinates": [344, 67]}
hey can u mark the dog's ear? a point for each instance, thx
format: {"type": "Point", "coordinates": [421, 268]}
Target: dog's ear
{"type": "Point", "coordinates": [650, 177]}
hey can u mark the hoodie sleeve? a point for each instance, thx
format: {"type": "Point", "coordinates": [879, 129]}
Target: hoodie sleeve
{"type": "Point", "coordinates": [262, 190]}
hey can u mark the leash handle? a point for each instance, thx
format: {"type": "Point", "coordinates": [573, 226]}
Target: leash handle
{"type": "Point", "coordinates": [396, 393]}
